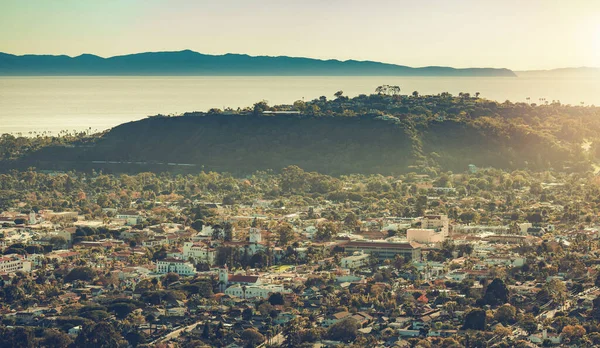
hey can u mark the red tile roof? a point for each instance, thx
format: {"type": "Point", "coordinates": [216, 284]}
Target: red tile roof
{"type": "Point", "coordinates": [387, 245]}
{"type": "Point", "coordinates": [242, 279]}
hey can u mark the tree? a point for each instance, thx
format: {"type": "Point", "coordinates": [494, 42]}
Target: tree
{"type": "Point", "coordinates": [206, 330]}
{"type": "Point", "coordinates": [596, 308]}
{"type": "Point", "coordinates": [122, 309]}
{"type": "Point", "coordinates": [468, 217]}
{"type": "Point", "coordinates": [285, 233]}
{"type": "Point", "coordinates": [56, 338]}
{"type": "Point", "coordinates": [344, 330]}
{"type": "Point", "coordinates": [197, 225]}
{"type": "Point", "coordinates": [34, 249]}
{"type": "Point", "coordinates": [475, 320]}
{"type": "Point", "coordinates": [502, 331]}
{"type": "Point", "coordinates": [351, 221]}
{"type": "Point", "coordinates": [19, 337]}
{"type": "Point", "coordinates": [135, 338]}
{"type": "Point", "coordinates": [170, 278]}
{"type": "Point", "coordinates": [529, 323]}
{"type": "Point", "coordinates": [556, 289]}
{"type": "Point", "coordinates": [505, 314]}
{"type": "Point", "coordinates": [228, 232]}
{"type": "Point", "coordinates": [300, 105]}
{"type": "Point", "coordinates": [338, 94]}
{"type": "Point", "coordinates": [101, 335]}
{"type": "Point", "coordinates": [247, 314]}
{"type": "Point", "coordinates": [260, 107]}
{"type": "Point", "coordinates": [291, 332]}
{"type": "Point", "coordinates": [326, 231]}
{"type": "Point", "coordinates": [534, 218]}
{"type": "Point", "coordinates": [573, 333]}
{"type": "Point", "coordinates": [276, 299]}
{"type": "Point", "coordinates": [252, 338]}
{"type": "Point", "coordinates": [80, 273]}
{"type": "Point", "coordinates": [381, 89]}
{"type": "Point", "coordinates": [496, 293]}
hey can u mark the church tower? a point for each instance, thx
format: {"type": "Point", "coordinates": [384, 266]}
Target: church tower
{"type": "Point", "coordinates": [255, 236]}
{"type": "Point", "coordinates": [223, 278]}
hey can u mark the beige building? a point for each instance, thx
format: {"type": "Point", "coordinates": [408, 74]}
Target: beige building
{"type": "Point", "coordinates": [383, 249]}
{"type": "Point", "coordinates": [14, 263]}
{"type": "Point", "coordinates": [434, 229]}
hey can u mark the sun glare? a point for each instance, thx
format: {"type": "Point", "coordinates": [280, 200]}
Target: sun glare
{"type": "Point", "coordinates": [596, 43]}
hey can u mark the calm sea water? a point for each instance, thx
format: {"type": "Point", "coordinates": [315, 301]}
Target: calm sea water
{"type": "Point", "coordinates": [52, 104]}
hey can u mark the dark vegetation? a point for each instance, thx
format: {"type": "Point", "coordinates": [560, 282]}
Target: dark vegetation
{"type": "Point", "coordinates": [384, 133]}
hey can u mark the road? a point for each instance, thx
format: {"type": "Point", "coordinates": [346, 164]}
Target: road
{"type": "Point", "coordinates": [276, 340]}
{"type": "Point", "coordinates": [175, 333]}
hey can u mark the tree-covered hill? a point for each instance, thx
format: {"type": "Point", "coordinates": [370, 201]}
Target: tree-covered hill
{"type": "Point", "coordinates": [379, 133]}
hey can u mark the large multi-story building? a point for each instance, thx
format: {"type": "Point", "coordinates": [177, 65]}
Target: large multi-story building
{"type": "Point", "coordinates": [14, 263]}
{"type": "Point", "coordinates": [434, 229]}
{"type": "Point", "coordinates": [384, 249]}
{"type": "Point", "coordinates": [356, 260]}
{"type": "Point", "coordinates": [255, 291]}
{"type": "Point", "coordinates": [178, 266]}
{"type": "Point", "coordinates": [199, 252]}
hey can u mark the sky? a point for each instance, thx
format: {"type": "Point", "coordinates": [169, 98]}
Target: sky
{"type": "Point", "coordinates": [514, 34]}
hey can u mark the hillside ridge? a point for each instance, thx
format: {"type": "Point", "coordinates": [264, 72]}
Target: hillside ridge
{"type": "Point", "coordinates": [188, 62]}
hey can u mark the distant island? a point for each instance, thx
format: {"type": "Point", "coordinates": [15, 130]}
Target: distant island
{"type": "Point", "coordinates": [193, 63]}
{"type": "Point", "coordinates": [581, 72]}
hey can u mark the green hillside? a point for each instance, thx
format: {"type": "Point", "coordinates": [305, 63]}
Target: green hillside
{"type": "Point", "coordinates": [380, 133]}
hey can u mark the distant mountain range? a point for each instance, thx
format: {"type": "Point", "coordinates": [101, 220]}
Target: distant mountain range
{"type": "Point", "coordinates": [193, 63]}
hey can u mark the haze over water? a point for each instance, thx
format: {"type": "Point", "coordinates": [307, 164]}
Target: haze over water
{"type": "Point", "coordinates": [52, 104]}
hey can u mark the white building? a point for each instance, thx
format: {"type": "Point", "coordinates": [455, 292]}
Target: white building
{"type": "Point", "coordinates": [255, 239]}
{"type": "Point", "coordinates": [356, 260]}
{"type": "Point", "coordinates": [155, 241]}
{"type": "Point", "coordinates": [32, 218]}
{"type": "Point", "coordinates": [255, 291]}
{"type": "Point", "coordinates": [130, 220]}
{"type": "Point", "coordinates": [14, 263]}
{"type": "Point", "coordinates": [457, 276]}
{"type": "Point", "coordinates": [434, 229]}
{"type": "Point", "coordinates": [226, 279]}
{"type": "Point", "coordinates": [199, 252]}
{"type": "Point", "coordinates": [178, 266]}
{"type": "Point", "coordinates": [505, 260]}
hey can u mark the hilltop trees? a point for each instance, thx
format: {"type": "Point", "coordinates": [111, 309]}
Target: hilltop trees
{"type": "Point", "coordinates": [387, 89]}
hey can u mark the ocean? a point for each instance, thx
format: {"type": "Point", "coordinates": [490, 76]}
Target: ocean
{"type": "Point", "coordinates": [49, 105]}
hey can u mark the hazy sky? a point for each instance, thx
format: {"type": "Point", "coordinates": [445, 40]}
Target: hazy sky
{"type": "Point", "coordinates": [517, 34]}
